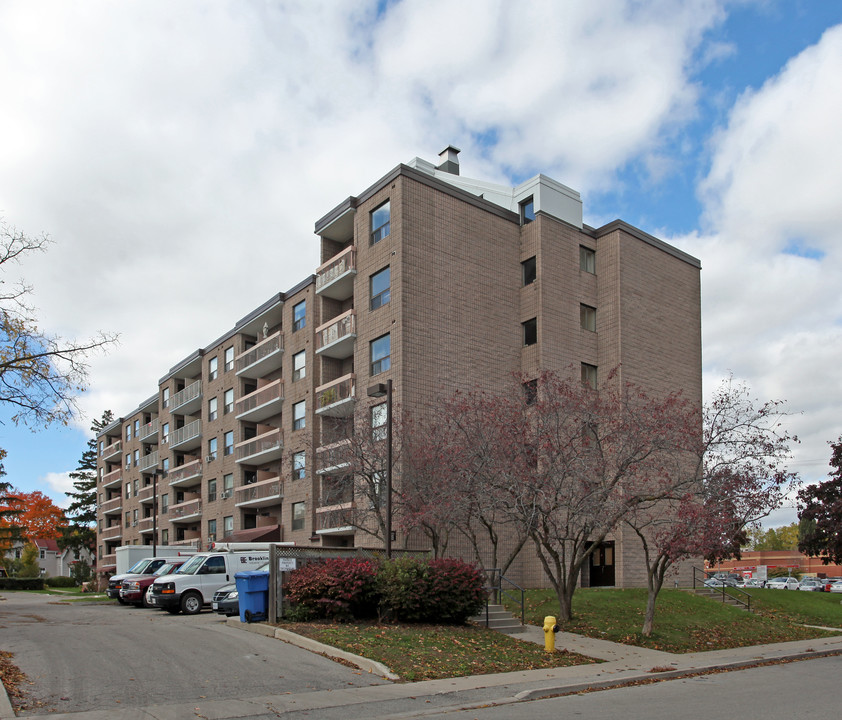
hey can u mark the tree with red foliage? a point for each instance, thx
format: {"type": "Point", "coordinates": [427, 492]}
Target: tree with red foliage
{"type": "Point", "coordinates": [38, 517]}
{"type": "Point", "coordinates": [738, 476]}
{"type": "Point", "coordinates": [820, 513]}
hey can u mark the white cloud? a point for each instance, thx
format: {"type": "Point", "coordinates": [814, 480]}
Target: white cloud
{"type": "Point", "coordinates": [772, 263]}
{"type": "Point", "coordinates": [58, 484]}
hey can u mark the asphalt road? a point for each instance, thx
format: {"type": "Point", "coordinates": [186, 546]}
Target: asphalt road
{"type": "Point", "coordinates": [99, 656]}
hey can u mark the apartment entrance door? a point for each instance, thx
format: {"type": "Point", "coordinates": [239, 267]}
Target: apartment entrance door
{"type": "Point", "coordinates": [602, 566]}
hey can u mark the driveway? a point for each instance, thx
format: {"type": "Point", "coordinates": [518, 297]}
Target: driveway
{"type": "Point", "coordinates": [98, 656]}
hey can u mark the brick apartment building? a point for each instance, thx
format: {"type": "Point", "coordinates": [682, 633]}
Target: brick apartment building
{"type": "Point", "coordinates": [431, 280]}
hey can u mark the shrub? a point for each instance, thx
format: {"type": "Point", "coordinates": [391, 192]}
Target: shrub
{"type": "Point", "coordinates": [60, 582]}
{"type": "Point", "coordinates": [335, 588]}
{"type": "Point", "coordinates": [440, 591]}
{"type": "Point", "coordinates": [22, 583]}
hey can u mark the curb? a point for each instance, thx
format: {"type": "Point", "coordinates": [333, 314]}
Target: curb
{"type": "Point", "coordinates": [306, 643]}
{"type": "Point", "coordinates": [6, 710]}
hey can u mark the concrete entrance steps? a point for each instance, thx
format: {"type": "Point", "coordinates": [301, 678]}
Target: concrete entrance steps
{"type": "Point", "coordinates": [499, 619]}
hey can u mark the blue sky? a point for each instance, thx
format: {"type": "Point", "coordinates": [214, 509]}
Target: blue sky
{"type": "Point", "coordinates": [146, 137]}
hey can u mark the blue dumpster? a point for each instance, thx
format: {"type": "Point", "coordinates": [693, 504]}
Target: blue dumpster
{"type": "Point", "coordinates": [253, 591]}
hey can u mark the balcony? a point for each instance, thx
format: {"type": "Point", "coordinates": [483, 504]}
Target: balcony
{"type": "Point", "coordinates": [112, 479]}
{"type": "Point", "coordinates": [337, 337]}
{"type": "Point", "coordinates": [111, 450]}
{"type": "Point", "coordinates": [335, 279]}
{"type": "Point", "coordinates": [187, 437]}
{"type": "Point", "coordinates": [332, 459]}
{"type": "Point", "coordinates": [107, 562]}
{"type": "Point", "coordinates": [148, 463]}
{"type": "Point", "coordinates": [111, 533]}
{"type": "Point", "coordinates": [185, 512]}
{"type": "Point", "coordinates": [185, 475]}
{"type": "Point", "coordinates": [144, 525]}
{"type": "Point", "coordinates": [336, 398]}
{"type": "Point", "coordinates": [146, 495]}
{"type": "Point", "coordinates": [149, 432]}
{"type": "Point", "coordinates": [335, 519]}
{"type": "Point", "coordinates": [261, 449]}
{"type": "Point", "coordinates": [260, 494]}
{"type": "Point", "coordinates": [262, 403]}
{"type": "Point", "coordinates": [187, 401]}
{"type": "Point", "coordinates": [261, 359]}
{"type": "Point", "coordinates": [112, 506]}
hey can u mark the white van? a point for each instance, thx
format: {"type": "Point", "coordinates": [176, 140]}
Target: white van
{"type": "Point", "coordinates": [192, 587]}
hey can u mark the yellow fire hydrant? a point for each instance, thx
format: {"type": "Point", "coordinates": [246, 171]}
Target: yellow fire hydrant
{"type": "Point", "coordinates": [550, 629]}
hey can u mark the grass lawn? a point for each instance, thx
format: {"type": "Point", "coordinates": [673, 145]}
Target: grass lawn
{"type": "Point", "coordinates": [687, 623]}
{"type": "Point", "coordinates": [429, 652]}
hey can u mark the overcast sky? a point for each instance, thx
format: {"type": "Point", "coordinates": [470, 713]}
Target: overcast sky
{"type": "Point", "coordinates": [149, 139]}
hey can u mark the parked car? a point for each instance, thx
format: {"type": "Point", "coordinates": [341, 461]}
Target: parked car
{"type": "Point", "coordinates": [146, 566]}
{"type": "Point", "coordinates": [836, 587]}
{"type": "Point", "coordinates": [811, 585]}
{"type": "Point", "coordinates": [133, 589]}
{"type": "Point", "coordinates": [755, 583]}
{"type": "Point", "coordinates": [783, 583]}
{"type": "Point", "coordinates": [720, 582]}
{"type": "Point", "coordinates": [226, 600]}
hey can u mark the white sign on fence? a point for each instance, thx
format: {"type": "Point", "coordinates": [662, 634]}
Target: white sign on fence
{"type": "Point", "coordinates": [286, 564]}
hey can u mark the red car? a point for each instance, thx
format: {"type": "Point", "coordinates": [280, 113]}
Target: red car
{"type": "Point", "coordinates": [133, 589]}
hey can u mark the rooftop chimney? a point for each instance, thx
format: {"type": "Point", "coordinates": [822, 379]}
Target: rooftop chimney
{"type": "Point", "coordinates": [449, 160]}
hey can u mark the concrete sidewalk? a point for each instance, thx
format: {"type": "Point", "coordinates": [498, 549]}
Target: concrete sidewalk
{"type": "Point", "coordinates": [623, 665]}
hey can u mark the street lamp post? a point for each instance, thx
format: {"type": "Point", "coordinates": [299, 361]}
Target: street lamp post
{"type": "Point", "coordinates": [155, 513]}
{"type": "Point", "coordinates": [378, 391]}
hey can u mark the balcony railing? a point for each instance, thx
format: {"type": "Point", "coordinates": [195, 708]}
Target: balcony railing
{"type": "Point", "coordinates": [112, 450]}
{"type": "Point", "coordinates": [115, 477]}
{"type": "Point", "coordinates": [335, 519]}
{"type": "Point", "coordinates": [114, 505]}
{"type": "Point", "coordinates": [335, 279]}
{"type": "Point", "coordinates": [185, 510]}
{"type": "Point", "coordinates": [262, 403]}
{"type": "Point", "coordinates": [108, 561]}
{"type": "Point", "coordinates": [336, 398]}
{"type": "Point", "coordinates": [145, 524]}
{"type": "Point", "coordinates": [146, 494]}
{"type": "Point", "coordinates": [112, 532]}
{"type": "Point", "coordinates": [336, 338]}
{"type": "Point", "coordinates": [189, 435]}
{"type": "Point", "coordinates": [183, 474]}
{"type": "Point", "coordinates": [260, 449]}
{"type": "Point", "coordinates": [269, 491]}
{"type": "Point", "coordinates": [262, 358]}
{"type": "Point", "coordinates": [148, 463]}
{"type": "Point", "coordinates": [188, 400]}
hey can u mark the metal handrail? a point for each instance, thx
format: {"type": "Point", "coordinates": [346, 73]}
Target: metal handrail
{"type": "Point", "coordinates": [745, 603]}
{"type": "Point", "coordinates": [496, 590]}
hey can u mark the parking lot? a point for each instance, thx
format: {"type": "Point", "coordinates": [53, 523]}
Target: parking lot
{"type": "Point", "coordinates": [98, 656]}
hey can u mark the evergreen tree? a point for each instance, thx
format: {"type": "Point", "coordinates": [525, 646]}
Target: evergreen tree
{"type": "Point", "coordinates": [81, 513]}
{"type": "Point", "coordinates": [9, 511]}
{"type": "Point", "coordinates": [820, 513]}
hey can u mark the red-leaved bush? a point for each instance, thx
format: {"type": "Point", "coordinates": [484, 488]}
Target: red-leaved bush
{"type": "Point", "coordinates": [334, 588]}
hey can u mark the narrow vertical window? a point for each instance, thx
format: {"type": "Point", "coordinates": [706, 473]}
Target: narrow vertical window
{"type": "Point", "coordinates": [299, 465]}
{"type": "Point", "coordinates": [212, 409]}
{"type": "Point", "coordinates": [589, 375]}
{"type": "Point", "coordinates": [211, 449]}
{"type": "Point", "coordinates": [530, 332]}
{"type": "Point", "coordinates": [299, 368]}
{"type": "Point", "coordinates": [228, 401]}
{"type": "Point", "coordinates": [381, 354]}
{"type": "Point", "coordinates": [299, 315]}
{"type": "Point", "coordinates": [587, 317]}
{"type": "Point", "coordinates": [299, 415]}
{"type": "Point", "coordinates": [378, 421]}
{"type": "Point", "coordinates": [529, 271]}
{"type": "Point", "coordinates": [228, 443]}
{"type": "Point", "coordinates": [587, 260]}
{"type": "Point", "coordinates": [213, 368]}
{"type": "Point", "coordinates": [381, 288]}
{"type": "Point", "coordinates": [527, 211]}
{"type": "Point", "coordinates": [381, 221]}
{"type": "Point", "coordinates": [298, 515]}
{"type": "Point", "coordinates": [229, 358]}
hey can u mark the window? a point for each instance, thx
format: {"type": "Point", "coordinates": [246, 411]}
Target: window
{"type": "Point", "coordinates": [530, 392]}
{"type": "Point", "coordinates": [298, 513]}
{"type": "Point", "coordinates": [529, 271]}
{"type": "Point", "coordinates": [299, 315]}
{"type": "Point", "coordinates": [299, 368]}
{"type": "Point", "coordinates": [587, 317]}
{"type": "Point", "coordinates": [212, 403]}
{"type": "Point", "coordinates": [136, 427]}
{"type": "Point", "coordinates": [381, 218]}
{"type": "Point", "coordinates": [128, 519]}
{"type": "Point", "coordinates": [165, 537]}
{"type": "Point", "coordinates": [381, 351]}
{"type": "Point", "coordinates": [527, 211]}
{"type": "Point", "coordinates": [212, 530]}
{"type": "Point", "coordinates": [128, 432]}
{"type": "Point", "coordinates": [228, 401]}
{"type": "Point", "coordinates": [589, 375]}
{"type": "Point", "coordinates": [134, 516]}
{"type": "Point", "coordinates": [165, 397]}
{"type": "Point", "coordinates": [299, 419]}
{"type": "Point", "coordinates": [136, 457]}
{"type": "Point", "coordinates": [381, 288]}
{"type": "Point", "coordinates": [165, 465]}
{"type": "Point", "coordinates": [128, 490]}
{"type": "Point", "coordinates": [587, 259]}
{"type": "Point", "coordinates": [229, 358]}
{"type": "Point", "coordinates": [299, 466]}
{"type": "Point", "coordinates": [211, 490]}
{"type": "Point", "coordinates": [228, 443]}
{"type": "Point", "coordinates": [165, 433]}
{"type": "Point", "coordinates": [213, 368]}
{"type": "Point", "coordinates": [530, 332]}
{"type": "Point", "coordinates": [228, 483]}
{"type": "Point", "coordinates": [228, 524]}
{"type": "Point", "coordinates": [136, 487]}
{"type": "Point", "coordinates": [379, 416]}
{"type": "Point", "coordinates": [101, 446]}
{"type": "Point", "coordinates": [212, 449]}
{"type": "Point", "coordinates": [128, 460]}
